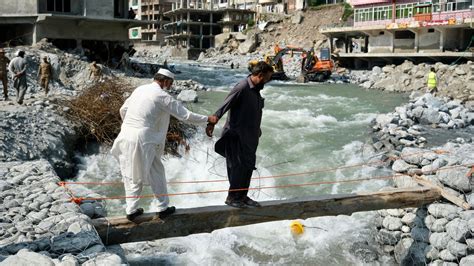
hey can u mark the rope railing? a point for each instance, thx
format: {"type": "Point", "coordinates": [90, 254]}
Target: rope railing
{"type": "Point", "coordinates": [322, 170]}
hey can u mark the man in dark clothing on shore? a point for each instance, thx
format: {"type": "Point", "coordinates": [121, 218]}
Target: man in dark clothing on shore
{"type": "Point", "coordinates": [239, 140]}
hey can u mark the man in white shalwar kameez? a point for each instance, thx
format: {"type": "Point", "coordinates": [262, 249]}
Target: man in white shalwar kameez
{"type": "Point", "coordinates": [141, 141]}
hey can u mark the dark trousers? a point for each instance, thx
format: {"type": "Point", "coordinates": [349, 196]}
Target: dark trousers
{"type": "Point", "coordinates": [239, 177]}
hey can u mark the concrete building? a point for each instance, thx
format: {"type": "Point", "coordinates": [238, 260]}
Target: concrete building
{"type": "Point", "coordinates": [135, 33]}
{"type": "Point", "coordinates": [194, 23]}
{"type": "Point", "coordinates": [67, 23]}
{"type": "Point", "coordinates": [386, 31]}
{"type": "Point", "coordinates": [153, 12]}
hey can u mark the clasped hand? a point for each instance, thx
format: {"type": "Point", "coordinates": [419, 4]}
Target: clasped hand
{"type": "Point", "coordinates": [211, 121]}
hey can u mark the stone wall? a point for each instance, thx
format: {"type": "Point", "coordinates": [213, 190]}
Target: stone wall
{"type": "Point", "coordinates": [440, 233]}
{"type": "Point", "coordinates": [40, 224]}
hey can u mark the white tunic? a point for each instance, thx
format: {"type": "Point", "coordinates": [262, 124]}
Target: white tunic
{"type": "Point", "coordinates": [146, 115]}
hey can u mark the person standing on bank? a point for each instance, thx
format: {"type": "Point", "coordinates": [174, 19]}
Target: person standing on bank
{"type": "Point", "coordinates": [45, 72]}
{"type": "Point", "coordinates": [432, 82]}
{"type": "Point", "coordinates": [239, 140]}
{"type": "Point", "coordinates": [18, 69]}
{"type": "Point", "coordinates": [3, 72]}
{"type": "Point", "coordinates": [141, 141]}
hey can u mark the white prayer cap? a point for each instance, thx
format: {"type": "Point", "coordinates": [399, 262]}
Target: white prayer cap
{"type": "Point", "coordinates": [166, 73]}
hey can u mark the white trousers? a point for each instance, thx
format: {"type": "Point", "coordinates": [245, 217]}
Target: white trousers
{"type": "Point", "coordinates": [157, 181]}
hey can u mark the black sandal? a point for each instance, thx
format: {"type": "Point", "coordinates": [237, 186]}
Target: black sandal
{"type": "Point", "coordinates": [135, 214]}
{"type": "Point", "coordinates": [168, 211]}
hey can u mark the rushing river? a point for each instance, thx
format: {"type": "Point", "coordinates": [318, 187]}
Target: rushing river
{"type": "Point", "coordinates": [305, 127]}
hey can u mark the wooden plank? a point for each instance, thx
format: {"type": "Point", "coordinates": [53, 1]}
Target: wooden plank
{"type": "Point", "coordinates": [116, 230]}
{"type": "Point", "coordinates": [422, 180]}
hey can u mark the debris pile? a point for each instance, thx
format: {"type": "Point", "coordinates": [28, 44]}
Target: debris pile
{"type": "Point", "coordinates": [97, 108]}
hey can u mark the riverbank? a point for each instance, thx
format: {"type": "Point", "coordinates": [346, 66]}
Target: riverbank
{"type": "Point", "coordinates": [441, 233]}
{"type": "Point", "coordinates": [40, 223]}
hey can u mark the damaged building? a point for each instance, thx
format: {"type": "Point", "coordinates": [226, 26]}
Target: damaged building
{"type": "Point", "coordinates": [194, 23]}
{"type": "Point", "coordinates": [385, 32]}
{"type": "Point", "coordinates": [88, 24]}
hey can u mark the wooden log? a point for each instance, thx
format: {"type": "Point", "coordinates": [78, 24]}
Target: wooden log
{"type": "Point", "coordinates": [422, 180]}
{"type": "Point", "coordinates": [116, 230]}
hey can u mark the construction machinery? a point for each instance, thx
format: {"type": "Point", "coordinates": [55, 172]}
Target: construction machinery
{"type": "Point", "coordinates": [276, 61]}
{"type": "Point", "coordinates": [312, 67]}
{"type": "Point", "coordinates": [317, 69]}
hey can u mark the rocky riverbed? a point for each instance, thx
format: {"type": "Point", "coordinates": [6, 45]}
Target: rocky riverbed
{"type": "Point", "coordinates": [440, 233]}
{"type": "Point", "coordinates": [40, 225]}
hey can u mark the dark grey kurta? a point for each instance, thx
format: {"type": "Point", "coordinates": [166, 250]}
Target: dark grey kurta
{"type": "Point", "coordinates": [239, 139]}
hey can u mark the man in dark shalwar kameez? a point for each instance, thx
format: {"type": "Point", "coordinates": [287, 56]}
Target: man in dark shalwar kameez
{"type": "Point", "coordinates": [239, 140]}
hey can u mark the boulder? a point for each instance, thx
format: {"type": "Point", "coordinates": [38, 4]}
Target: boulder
{"type": "Point", "coordinates": [446, 255]}
{"type": "Point", "coordinates": [240, 36]}
{"type": "Point", "coordinates": [431, 253]}
{"type": "Point", "coordinates": [439, 240]}
{"type": "Point", "coordinates": [387, 237]}
{"type": "Point", "coordinates": [417, 112]}
{"type": "Point", "coordinates": [221, 39]}
{"type": "Point", "coordinates": [430, 116]}
{"type": "Point", "coordinates": [376, 70]}
{"type": "Point", "coordinates": [439, 225]}
{"type": "Point", "coordinates": [74, 243]}
{"type": "Point", "coordinates": [392, 223]}
{"type": "Point", "coordinates": [409, 219]}
{"type": "Point", "coordinates": [188, 96]}
{"type": "Point", "coordinates": [400, 166]}
{"type": "Point", "coordinates": [26, 258]}
{"type": "Point", "coordinates": [467, 261]}
{"type": "Point", "coordinates": [409, 252]}
{"type": "Point", "coordinates": [440, 210]}
{"type": "Point", "coordinates": [413, 155]}
{"type": "Point", "coordinates": [249, 45]}
{"type": "Point", "coordinates": [455, 178]}
{"type": "Point", "coordinates": [458, 230]}
{"type": "Point", "coordinates": [457, 249]}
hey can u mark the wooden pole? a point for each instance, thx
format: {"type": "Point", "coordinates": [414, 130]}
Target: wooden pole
{"type": "Point", "coordinates": [116, 230]}
{"type": "Point", "coordinates": [422, 180]}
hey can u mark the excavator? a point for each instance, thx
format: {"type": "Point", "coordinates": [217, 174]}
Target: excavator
{"type": "Point", "coordinates": [276, 61]}
{"type": "Point", "coordinates": [312, 67]}
{"type": "Point", "coordinates": [317, 69]}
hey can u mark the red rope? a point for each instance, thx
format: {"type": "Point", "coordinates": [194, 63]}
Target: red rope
{"type": "Point", "coordinates": [266, 177]}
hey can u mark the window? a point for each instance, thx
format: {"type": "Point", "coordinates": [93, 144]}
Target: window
{"type": "Point", "coordinates": [424, 9]}
{"type": "Point", "coordinates": [382, 13]}
{"type": "Point", "coordinates": [404, 11]}
{"type": "Point", "coordinates": [63, 6]}
{"type": "Point", "coordinates": [135, 3]}
{"type": "Point", "coordinates": [363, 14]}
{"type": "Point", "coordinates": [430, 30]}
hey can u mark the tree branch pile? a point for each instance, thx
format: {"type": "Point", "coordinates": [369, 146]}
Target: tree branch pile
{"type": "Point", "coordinates": [96, 109]}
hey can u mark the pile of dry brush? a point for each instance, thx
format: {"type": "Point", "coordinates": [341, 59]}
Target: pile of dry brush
{"type": "Point", "coordinates": [96, 109]}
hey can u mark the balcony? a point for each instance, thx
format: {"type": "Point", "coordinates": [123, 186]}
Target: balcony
{"type": "Point", "coordinates": [423, 17]}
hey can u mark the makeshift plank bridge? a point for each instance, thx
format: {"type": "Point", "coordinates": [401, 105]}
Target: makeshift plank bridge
{"type": "Point", "coordinates": [116, 230]}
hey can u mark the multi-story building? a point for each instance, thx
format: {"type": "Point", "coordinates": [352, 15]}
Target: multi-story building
{"type": "Point", "coordinates": [65, 22]}
{"type": "Point", "coordinates": [395, 30]}
{"type": "Point", "coordinates": [154, 10]}
{"type": "Point", "coordinates": [136, 32]}
{"type": "Point", "coordinates": [194, 23]}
